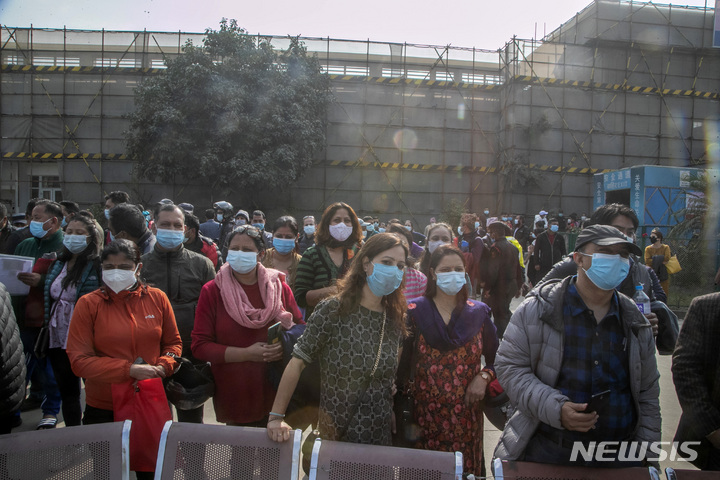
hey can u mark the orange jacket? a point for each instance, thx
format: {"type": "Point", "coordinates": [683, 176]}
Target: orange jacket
{"type": "Point", "coordinates": [109, 331]}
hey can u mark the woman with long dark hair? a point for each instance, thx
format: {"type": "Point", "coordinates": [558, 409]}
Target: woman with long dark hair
{"type": "Point", "coordinates": [449, 335]}
{"type": "Point", "coordinates": [75, 273]}
{"type": "Point", "coordinates": [336, 237]}
{"type": "Point", "coordinates": [355, 336]}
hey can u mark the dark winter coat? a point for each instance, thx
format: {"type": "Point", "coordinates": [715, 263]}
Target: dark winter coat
{"type": "Point", "coordinates": [12, 359]}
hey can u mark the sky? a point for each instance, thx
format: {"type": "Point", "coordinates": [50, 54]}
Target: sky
{"type": "Point", "coordinates": [462, 23]}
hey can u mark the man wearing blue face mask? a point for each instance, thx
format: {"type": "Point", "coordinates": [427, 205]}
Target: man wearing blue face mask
{"type": "Point", "coordinates": [570, 341]}
{"type": "Point", "coordinates": [549, 248]}
{"type": "Point", "coordinates": [307, 236]}
{"type": "Point", "coordinates": [180, 274]}
{"type": "Point", "coordinates": [258, 221]}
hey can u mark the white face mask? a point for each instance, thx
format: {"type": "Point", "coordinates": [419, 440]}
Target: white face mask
{"type": "Point", "coordinates": [340, 231]}
{"type": "Point", "coordinates": [434, 244]}
{"type": "Point", "coordinates": [118, 280]}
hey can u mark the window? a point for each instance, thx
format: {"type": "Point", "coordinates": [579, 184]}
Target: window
{"type": "Point", "coordinates": [47, 187]}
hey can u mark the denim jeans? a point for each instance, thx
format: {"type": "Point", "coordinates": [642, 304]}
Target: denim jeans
{"type": "Point", "coordinates": [40, 371]}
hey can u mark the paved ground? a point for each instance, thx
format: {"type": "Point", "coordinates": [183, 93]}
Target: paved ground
{"type": "Point", "coordinates": [669, 406]}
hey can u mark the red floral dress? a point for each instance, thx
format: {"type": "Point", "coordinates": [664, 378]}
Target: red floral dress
{"type": "Point", "coordinates": [441, 379]}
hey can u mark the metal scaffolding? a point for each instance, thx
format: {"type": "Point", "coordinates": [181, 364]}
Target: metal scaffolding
{"type": "Point", "coordinates": [412, 126]}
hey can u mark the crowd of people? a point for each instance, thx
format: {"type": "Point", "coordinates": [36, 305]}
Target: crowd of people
{"type": "Point", "coordinates": [382, 309]}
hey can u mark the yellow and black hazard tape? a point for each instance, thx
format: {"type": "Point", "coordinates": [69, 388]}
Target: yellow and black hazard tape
{"type": "Point", "coordinates": [58, 69]}
{"type": "Point", "coordinates": [400, 80]}
{"type": "Point", "coordinates": [461, 168]}
{"type": "Point", "coordinates": [333, 163]}
{"type": "Point", "coordinates": [66, 156]}
{"type": "Point", "coordinates": [616, 87]}
{"type": "Point", "coordinates": [415, 82]}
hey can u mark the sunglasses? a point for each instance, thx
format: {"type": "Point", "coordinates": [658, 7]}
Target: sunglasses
{"type": "Point", "coordinates": [251, 231]}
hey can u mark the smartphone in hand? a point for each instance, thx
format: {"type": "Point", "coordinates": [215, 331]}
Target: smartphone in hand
{"type": "Point", "coordinates": [598, 402]}
{"type": "Point", "coordinates": [274, 334]}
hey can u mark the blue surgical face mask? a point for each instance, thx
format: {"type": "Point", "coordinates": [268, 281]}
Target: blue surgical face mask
{"type": "Point", "coordinates": [283, 245]}
{"type": "Point", "coordinates": [242, 262]}
{"type": "Point", "coordinates": [381, 230]}
{"type": "Point", "coordinates": [36, 228]}
{"type": "Point", "coordinates": [240, 221]}
{"type": "Point", "coordinates": [459, 230]}
{"type": "Point", "coordinates": [259, 226]}
{"type": "Point", "coordinates": [408, 228]}
{"type": "Point", "coordinates": [169, 238]}
{"type": "Point", "coordinates": [370, 228]}
{"type": "Point", "coordinates": [309, 229]}
{"type": "Point", "coordinates": [554, 228]}
{"type": "Point", "coordinates": [487, 212]}
{"type": "Point", "coordinates": [385, 279]}
{"type": "Point", "coordinates": [607, 271]}
{"type": "Point", "coordinates": [63, 224]}
{"type": "Point", "coordinates": [477, 225]}
{"type": "Point", "coordinates": [75, 243]}
{"type": "Point", "coordinates": [107, 214]}
{"type": "Point", "coordinates": [450, 282]}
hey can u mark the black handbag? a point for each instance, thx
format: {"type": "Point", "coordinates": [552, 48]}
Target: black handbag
{"type": "Point", "coordinates": [302, 411]}
{"type": "Point", "coordinates": [408, 432]}
{"type": "Point", "coordinates": [42, 343]}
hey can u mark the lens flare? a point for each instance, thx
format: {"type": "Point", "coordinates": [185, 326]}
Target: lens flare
{"type": "Point", "coordinates": [405, 140]}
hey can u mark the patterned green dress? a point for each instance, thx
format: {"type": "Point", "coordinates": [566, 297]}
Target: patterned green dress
{"type": "Point", "coordinates": [346, 348]}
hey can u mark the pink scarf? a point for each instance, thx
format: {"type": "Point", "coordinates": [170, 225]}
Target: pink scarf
{"type": "Point", "coordinates": [238, 305]}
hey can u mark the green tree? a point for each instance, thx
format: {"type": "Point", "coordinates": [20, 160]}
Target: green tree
{"type": "Point", "coordinates": [234, 113]}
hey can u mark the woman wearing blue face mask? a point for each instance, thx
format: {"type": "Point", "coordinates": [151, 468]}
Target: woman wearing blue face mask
{"type": "Point", "coordinates": [448, 336]}
{"type": "Point", "coordinates": [232, 318]}
{"type": "Point", "coordinates": [75, 273]}
{"type": "Point", "coordinates": [355, 336]}
{"type": "Point", "coordinates": [283, 256]}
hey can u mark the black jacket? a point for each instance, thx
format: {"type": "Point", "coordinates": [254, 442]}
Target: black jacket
{"type": "Point", "coordinates": [522, 235]}
{"type": "Point", "coordinates": [181, 275]}
{"type": "Point", "coordinates": [12, 359]}
{"type": "Point", "coordinates": [548, 254]}
{"type": "Point", "coordinates": [696, 374]}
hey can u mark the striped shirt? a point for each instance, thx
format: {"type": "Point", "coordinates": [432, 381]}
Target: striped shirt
{"type": "Point", "coordinates": [316, 270]}
{"type": "Point", "coordinates": [415, 283]}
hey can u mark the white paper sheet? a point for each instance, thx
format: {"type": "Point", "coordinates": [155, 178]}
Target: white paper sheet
{"type": "Point", "coordinates": [10, 266]}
